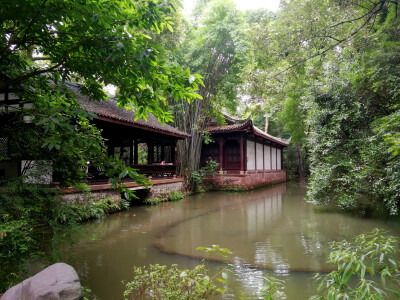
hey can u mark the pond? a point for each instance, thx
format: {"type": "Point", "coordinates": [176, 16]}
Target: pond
{"type": "Point", "coordinates": [270, 231]}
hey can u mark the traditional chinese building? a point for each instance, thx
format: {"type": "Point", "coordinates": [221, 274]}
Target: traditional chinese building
{"type": "Point", "coordinates": [146, 145]}
{"type": "Point", "coordinates": [247, 156]}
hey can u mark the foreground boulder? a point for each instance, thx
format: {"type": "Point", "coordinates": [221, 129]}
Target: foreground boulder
{"type": "Point", "coordinates": [57, 282]}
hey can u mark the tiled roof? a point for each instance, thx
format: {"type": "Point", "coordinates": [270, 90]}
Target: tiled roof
{"type": "Point", "coordinates": [246, 125]}
{"type": "Point", "coordinates": [108, 109]}
{"type": "Point", "coordinates": [231, 127]}
{"type": "Point", "coordinates": [259, 132]}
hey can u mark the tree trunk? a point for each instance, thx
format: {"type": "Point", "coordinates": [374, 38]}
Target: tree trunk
{"type": "Point", "coordinates": [266, 125]}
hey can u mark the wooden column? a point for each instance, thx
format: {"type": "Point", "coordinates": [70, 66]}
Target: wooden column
{"type": "Point", "coordinates": [221, 155]}
{"type": "Point", "coordinates": [173, 156]}
{"type": "Point", "coordinates": [136, 153]}
{"type": "Point", "coordinates": [242, 156]}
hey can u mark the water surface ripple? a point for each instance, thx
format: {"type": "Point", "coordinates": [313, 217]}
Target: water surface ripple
{"type": "Point", "coordinates": [270, 231]}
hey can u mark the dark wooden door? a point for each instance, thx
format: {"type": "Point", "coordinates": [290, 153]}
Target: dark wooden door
{"type": "Point", "coordinates": [232, 155]}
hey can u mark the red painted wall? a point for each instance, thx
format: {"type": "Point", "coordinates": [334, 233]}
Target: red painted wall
{"type": "Point", "coordinates": [246, 181]}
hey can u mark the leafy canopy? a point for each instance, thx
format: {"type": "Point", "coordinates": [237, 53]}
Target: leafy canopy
{"type": "Point", "coordinates": [94, 43]}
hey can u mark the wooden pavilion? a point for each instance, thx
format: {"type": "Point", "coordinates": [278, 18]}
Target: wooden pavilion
{"type": "Point", "coordinates": [146, 145]}
{"type": "Point", "coordinates": [247, 156]}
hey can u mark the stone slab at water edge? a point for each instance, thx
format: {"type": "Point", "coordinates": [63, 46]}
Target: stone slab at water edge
{"type": "Point", "coordinates": [57, 282]}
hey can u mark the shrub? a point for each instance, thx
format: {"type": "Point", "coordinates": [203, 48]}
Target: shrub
{"type": "Point", "coordinates": [176, 195]}
{"type": "Point", "coordinates": [358, 265]}
{"type": "Point", "coordinates": [197, 177]}
{"type": "Point", "coordinates": [370, 255]}
{"type": "Point", "coordinates": [160, 282]}
{"type": "Point", "coordinates": [155, 200]}
{"type": "Point", "coordinates": [26, 207]}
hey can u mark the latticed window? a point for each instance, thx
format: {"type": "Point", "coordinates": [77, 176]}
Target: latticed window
{"type": "Point", "coordinates": [3, 147]}
{"type": "Point", "coordinates": [157, 154]}
{"type": "Point", "coordinates": [168, 154]}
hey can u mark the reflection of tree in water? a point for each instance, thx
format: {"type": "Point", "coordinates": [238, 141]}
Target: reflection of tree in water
{"type": "Point", "coordinates": [251, 279]}
{"type": "Point", "coordinates": [317, 230]}
{"type": "Point", "coordinates": [270, 256]}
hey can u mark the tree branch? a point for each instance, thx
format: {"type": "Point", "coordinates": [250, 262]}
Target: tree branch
{"type": "Point", "coordinates": [372, 12]}
{"type": "Point", "coordinates": [34, 73]}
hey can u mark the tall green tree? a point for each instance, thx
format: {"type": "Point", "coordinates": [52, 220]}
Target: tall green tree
{"type": "Point", "coordinates": [276, 97]}
{"type": "Point", "coordinates": [215, 47]}
{"type": "Point", "coordinates": [345, 57]}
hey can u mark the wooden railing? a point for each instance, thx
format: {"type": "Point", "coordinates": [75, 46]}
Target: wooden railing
{"type": "Point", "coordinates": [154, 171]}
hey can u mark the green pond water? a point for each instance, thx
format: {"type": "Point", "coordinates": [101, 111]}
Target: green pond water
{"type": "Point", "coordinates": [270, 231]}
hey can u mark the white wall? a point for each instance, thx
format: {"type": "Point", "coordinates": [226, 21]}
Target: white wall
{"type": "Point", "coordinates": [250, 155]}
{"type": "Point", "coordinates": [273, 158]}
{"type": "Point", "coordinates": [267, 157]}
{"type": "Point", "coordinates": [278, 159]}
{"type": "Point", "coordinates": [259, 156]}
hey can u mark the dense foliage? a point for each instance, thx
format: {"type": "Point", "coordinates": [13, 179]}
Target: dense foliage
{"type": "Point", "coordinates": [331, 72]}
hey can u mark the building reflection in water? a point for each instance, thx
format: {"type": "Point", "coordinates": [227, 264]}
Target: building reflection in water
{"type": "Point", "coordinates": [262, 216]}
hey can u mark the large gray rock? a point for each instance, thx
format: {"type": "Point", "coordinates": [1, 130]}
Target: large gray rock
{"type": "Point", "coordinates": [57, 282]}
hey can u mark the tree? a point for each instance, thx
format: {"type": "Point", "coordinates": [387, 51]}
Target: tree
{"type": "Point", "coordinates": [335, 64]}
{"type": "Point", "coordinates": [44, 43]}
{"type": "Point", "coordinates": [276, 98]}
{"type": "Point", "coordinates": [215, 47]}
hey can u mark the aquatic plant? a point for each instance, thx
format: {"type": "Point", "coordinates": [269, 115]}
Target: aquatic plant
{"type": "Point", "coordinates": [155, 200]}
{"type": "Point", "coordinates": [176, 195]}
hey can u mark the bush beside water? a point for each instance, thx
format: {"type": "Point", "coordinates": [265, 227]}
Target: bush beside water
{"type": "Point", "coordinates": [31, 214]}
{"type": "Point", "coordinates": [174, 196]}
